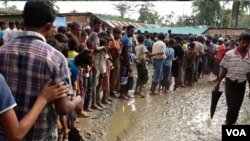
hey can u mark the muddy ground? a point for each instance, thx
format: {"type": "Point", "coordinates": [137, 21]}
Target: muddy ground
{"type": "Point", "coordinates": [182, 115]}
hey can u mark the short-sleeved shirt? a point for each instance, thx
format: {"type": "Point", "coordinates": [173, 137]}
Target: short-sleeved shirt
{"type": "Point", "coordinates": [73, 69]}
{"type": "Point", "coordinates": [1, 34]}
{"type": "Point", "coordinates": [221, 52]}
{"type": "Point", "coordinates": [159, 46]}
{"type": "Point", "coordinates": [170, 57]}
{"type": "Point", "coordinates": [7, 101]}
{"type": "Point", "coordinates": [93, 39]}
{"type": "Point", "coordinates": [236, 66]}
{"type": "Point", "coordinates": [148, 43]}
{"type": "Point", "coordinates": [126, 42]}
{"type": "Point", "coordinates": [199, 48]}
{"type": "Point", "coordinates": [27, 63]}
{"type": "Point", "coordinates": [140, 51]}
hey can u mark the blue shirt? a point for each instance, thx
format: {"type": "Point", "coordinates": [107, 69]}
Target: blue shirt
{"type": "Point", "coordinates": [148, 43]}
{"type": "Point", "coordinates": [1, 34]}
{"type": "Point", "coordinates": [127, 42]}
{"type": "Point", "coordinates": [7, 101]}
{"type": "Point", "coordinates": [170, 57]}
{"type": "Point", "coordinates": [73, 69]}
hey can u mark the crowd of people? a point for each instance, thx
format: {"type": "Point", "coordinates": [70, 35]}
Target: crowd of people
{"type": "Point", "coordinates": [65, 73]}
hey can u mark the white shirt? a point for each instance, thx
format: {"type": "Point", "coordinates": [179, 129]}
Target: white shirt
{"type": "Point", "coordinates": [140, 51]}
{"type": "Point", "coordinates": [236, 66]}
{"type": "Point", "coordinates": [159, 46]}
{"type": "Point", "coordinates": [6, 35]}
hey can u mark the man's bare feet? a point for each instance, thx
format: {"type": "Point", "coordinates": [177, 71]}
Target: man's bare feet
{"type": "Point", "coordinates": [83, 114]}
{"type": "Point", "coordinates": [95, 107]}
{"type": "Point", "coordinates": [123, 97]}
{"type": "Point", "coordinates": [101, 105]}
{"type": "Point", "coordinates": [106, 102]}
{"type": "Point", "coordinates": [89, 110]}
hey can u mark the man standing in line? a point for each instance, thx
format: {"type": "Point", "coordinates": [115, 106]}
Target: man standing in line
{"type": "Point", "coordinates": [126, 60]}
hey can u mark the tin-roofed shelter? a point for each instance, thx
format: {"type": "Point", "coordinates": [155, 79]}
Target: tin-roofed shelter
{"type": "Point", "coordinates": [175, 30]}
{"type": "Point", "coordinates": [85, 19]}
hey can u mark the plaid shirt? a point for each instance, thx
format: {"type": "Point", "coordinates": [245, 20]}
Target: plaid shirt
{"type": "Point", "coordinates": [27, 63]}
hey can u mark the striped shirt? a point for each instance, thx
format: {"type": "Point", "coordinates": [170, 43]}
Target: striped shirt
{"type": "Point", "coordinates": [236, 66]}
{"type": "Point", "coordinates": [27, 63]}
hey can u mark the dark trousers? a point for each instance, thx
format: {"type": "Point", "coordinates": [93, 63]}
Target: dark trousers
{"type": "Point", "coordinates": [88, 92]}
{"type": "Point", "coordinates": [234, 97]}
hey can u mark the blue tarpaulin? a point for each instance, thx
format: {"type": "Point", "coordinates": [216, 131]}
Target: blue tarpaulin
{"type": "Point", "coordinates": [60, 21]}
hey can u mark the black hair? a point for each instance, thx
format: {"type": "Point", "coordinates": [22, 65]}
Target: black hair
{"type": "Point", "coordinates": [17, 23]}
{"type": "Point", "coordinates": [84, 33]}
{"type": "Point", "coordinates": [2, 23]}
{"type": "Point", "coordinates": [103, 41]}
{"type": "Point", "coordinates": [124, 27]}
{"type": "Point", "coordinates": [96, 21]}
{"type": "Point", "coordinates": [65, 50]}
{"type": "Point", "coordinates": [88, 31]}
{"type": "Point", "coordinates": [191, 45]}
{"type": "Point", "coordinates": [73, 43]}
{"type": "Point", "coordinates": [38, 13]}
{"type": "Point", "coordinates": [147, 36]}
{"type": "Point", "coordinates": [130, 27]}
{"type": "Point", "coordinates": [138, 32]}
{"type": "Point", "coordinates": [161, 36]}
{"type": "Point", "coordinates": [69, 35]}
{"type": "Point", "coordinates": [104, 35]}
{"type": "Point", "coordinates": [84, 58]}
{"type": "Point", "coordinates": [244, 36]}
{"type": "Point", "coordinates": [171, 42]}
{"type": "Point", "coordinates": [191, 39]}
{"type": "Point", "coordinates": [208, 42]}
{"type": "Point", "coordinates": [62, 29]}
{"type": "Point", "coordinates": [117, 30]}
{"type": "Point", "coordinates": [11, 24]}
{"type": "Point", "coordinates": [54, 43]}
{"type": "Point", "coordinates": [166, 42]}
{"type": "Point", "coordinates": [140, 38]}
{"type": "Point", "coordinates": [74, 25]}
{"type": "Point", "coordinates": [200, 39]}
{"type": "Point", "coordinates": [62, 38]}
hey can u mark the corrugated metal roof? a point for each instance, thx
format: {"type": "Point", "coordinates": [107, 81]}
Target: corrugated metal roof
{"type": "Point", "coordinates": [175, 30]}
{"type": "Point", "coordinates": [114, 23]}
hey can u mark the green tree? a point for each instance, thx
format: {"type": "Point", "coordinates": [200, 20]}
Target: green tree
{"type": "Point", "coordinates": [123, 8]}
{"type": "Point", "coordinates": [185, 21]}
{"type": "Point", "coordinates": [238, 9]}
{"type": "Point", "coordinates": [148, 14]}
{"type": "Point", "coordinates": [9, 10]}
{"type": "Point", "coordinates": [207, 12]}
{"type": "Point", "coordinates": [169, 19]}
{"type": "Point", "coordinates": [244, 22]}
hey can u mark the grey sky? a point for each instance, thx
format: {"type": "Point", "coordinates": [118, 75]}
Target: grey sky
{"type": "Point", "coordinates": [163, 7]}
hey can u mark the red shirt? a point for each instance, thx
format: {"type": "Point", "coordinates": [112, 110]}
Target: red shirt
{"type": "Point", "coordinates": [221, 52]}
